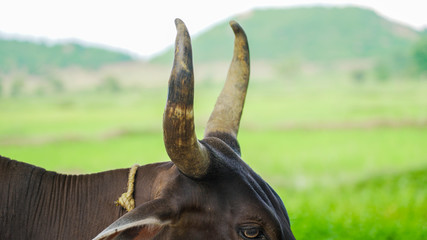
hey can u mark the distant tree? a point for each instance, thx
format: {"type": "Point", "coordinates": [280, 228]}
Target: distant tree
{"type": "Point", "coordinates": [289, 67]}
{"type": "Point", "coordinates": [56, 84]}
{"type": "Point", "coordinates": [17, 87]}
{"type": "Point", "coordinates": [381, 71]}
{"type": "Point", "coordinates": [419, 53]}
{"type": "Point", "coordinates": [1, 86]}
{"type": "Point", "coordinates": [40, 91]}
{"type": "Point", "coordinates": [110, 84]}
{"type": "Point", "coordinates": [358, 75]}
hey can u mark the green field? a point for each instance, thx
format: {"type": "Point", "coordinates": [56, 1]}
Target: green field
{"type": "Point", "coordinates": [349, 159]}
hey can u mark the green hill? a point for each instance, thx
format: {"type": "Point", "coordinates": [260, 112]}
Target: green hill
{"type": "Point", "coordinates": [309, 34]}
{"type": "Point", "coordinates": [35, 57]}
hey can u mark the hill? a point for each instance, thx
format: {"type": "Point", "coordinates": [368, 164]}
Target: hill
{"type": "Point", "coordinates": [307, 34]}
{"type": "Point", "coordinates": [35, 57]}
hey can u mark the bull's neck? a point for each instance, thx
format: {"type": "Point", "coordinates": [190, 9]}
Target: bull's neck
{"type": "Point", "coordinates": [49, 205]}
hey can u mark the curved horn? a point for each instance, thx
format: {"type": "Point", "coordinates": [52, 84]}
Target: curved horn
{"type": "Point", "coordinates": [225, 117]}
{"type": "Point", "coordinates": [179, 134]}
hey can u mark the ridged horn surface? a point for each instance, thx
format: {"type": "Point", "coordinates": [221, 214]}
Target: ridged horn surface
{"type": "Point", "coordinates": [225, 117]}
{"type": "Point", "coordinates": [179, 134]}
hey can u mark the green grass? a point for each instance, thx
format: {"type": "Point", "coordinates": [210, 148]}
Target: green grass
{"type": "Point", "coordinates": [81, 114]}
{"type": "Point", "coordinates": [85, 156]}
{"type": "Point", "coordinates": [322, 157]}
{"type": "Point", "coordinates": [349, 161]}
{"type": "Point", "coordinates": [389, 206]}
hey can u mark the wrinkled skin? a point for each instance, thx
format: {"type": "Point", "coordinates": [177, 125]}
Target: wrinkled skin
{"type": "Point", "coordinates": [37, 204]}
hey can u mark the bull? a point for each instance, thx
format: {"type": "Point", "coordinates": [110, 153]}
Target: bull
{"type": "Point", "coordinates": [206, 191]}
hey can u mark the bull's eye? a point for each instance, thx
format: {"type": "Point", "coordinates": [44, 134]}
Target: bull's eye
{"type": "Point", "coordinates": [252, 232]}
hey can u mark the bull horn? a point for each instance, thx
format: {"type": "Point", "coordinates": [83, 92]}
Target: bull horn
{"type": "Point", "coordinates": [179, 135]}
{"type": "Point", "coordinates": [225, 117]}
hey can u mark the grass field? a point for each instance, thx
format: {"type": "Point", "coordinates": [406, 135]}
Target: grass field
{"type": "Point", "coordinates": [349, 160]}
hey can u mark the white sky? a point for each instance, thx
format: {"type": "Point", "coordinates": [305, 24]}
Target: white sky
{"type": "Point", "coordinates": [144, 27]}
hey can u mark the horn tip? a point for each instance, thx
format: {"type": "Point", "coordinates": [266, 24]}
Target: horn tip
{"type": "Point", "coordinates": [179, 23]}
{"type": "Point", "coordinates": [235, 26]}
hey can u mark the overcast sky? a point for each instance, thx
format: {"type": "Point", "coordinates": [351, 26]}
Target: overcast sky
{"type": "Point", "coordinates": [144, 28]}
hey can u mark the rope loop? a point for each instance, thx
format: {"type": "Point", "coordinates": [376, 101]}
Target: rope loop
{"type": "Point", "coordinates": [126, 200]}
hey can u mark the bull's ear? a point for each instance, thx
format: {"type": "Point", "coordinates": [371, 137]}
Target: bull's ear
{"type": "Point", "coordinates": [146, 220]}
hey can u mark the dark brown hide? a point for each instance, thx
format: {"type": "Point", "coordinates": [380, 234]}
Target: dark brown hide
{"type": "Point", "coordinates": [225, 201]}
{"type": "Point", "coordinates": [39, 204]}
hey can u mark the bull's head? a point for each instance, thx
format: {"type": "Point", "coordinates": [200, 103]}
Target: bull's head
{"type": "Point", "coordinates": [208, 192]}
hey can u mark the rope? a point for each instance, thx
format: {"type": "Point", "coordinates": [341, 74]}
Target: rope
{"type": "Point", "coordinates": [126, 199]}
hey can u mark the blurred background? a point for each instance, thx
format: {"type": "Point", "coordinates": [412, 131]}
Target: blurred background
{"type": "Point", "coordinates": [335, 118]}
